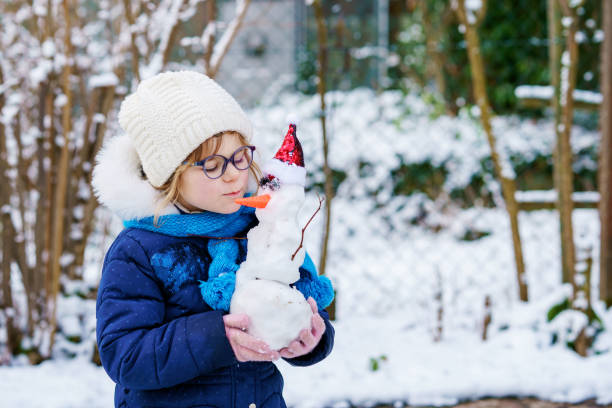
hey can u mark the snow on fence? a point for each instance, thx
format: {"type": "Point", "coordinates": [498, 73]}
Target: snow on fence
{"type": "Point", "coordinates": [536, 96]}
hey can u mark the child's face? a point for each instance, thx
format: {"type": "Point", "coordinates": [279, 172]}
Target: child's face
{"type": "Point", "coordinates": [216, 195]}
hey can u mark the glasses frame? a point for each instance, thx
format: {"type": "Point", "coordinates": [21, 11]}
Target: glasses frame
{"type": "Point", "coordinates": [226, 160]}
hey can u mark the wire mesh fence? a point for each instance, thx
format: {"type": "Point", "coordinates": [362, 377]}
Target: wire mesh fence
{"type": "Point", "coordinates": [418, 218]}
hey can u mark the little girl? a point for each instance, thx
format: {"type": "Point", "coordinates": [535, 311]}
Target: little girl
{"type": "Point", "coordinates": [173, 178]}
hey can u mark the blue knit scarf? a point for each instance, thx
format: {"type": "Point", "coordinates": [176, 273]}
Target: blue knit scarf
{"type": "Point", "coordinates": [218, 289]}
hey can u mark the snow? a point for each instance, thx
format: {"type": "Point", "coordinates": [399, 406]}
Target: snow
{"type": "Point", "coordinates": [421, 372]}
{"type": "Point", "coordinates": [575, 3]}
{"type": "Point", "coordinates": [103, 80]}
{"type": "Point", "coordinates": [473, 5]}
{"type": "Point", "coordinates": [48, 48]}
{"type": "Point", "coordinates": [546, 93]}
{"type": "Point", "coordinates": [66, 383]}
{"type": "Point", "coordinates": [598, 36]}
{"type": "Point", "coordinates": [550, 196]}
{"type": "Point", "coordinates": [394, 260]}
{"type": "Point", "coordinates": [40, 72]}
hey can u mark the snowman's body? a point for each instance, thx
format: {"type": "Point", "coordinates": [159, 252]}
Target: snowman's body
{"type": "Point", "coordinates": [277, 236]}
{"type": "Point", "coordinates": [277, 311]}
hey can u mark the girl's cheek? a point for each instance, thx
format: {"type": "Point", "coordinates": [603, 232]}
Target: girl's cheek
{"type": "Point", "coordinates": [245, 178]}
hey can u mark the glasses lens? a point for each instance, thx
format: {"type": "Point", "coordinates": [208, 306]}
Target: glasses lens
{"type": "Point", "coordinates": [213, 166]}
{"type": "Point", "coordinates": [243, 158]}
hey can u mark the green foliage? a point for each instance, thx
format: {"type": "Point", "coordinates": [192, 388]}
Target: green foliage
{"type": "Point", "coordinates": [534, 174]}
{"type": "Point", "coordinates": [352, 32]}
{"type": "Point", "coordinates": [514, 46]}
{"type": "Point", "coordinates": [306, 71]}
{"type": "Point", "coordinates": [422, 177]}
{"type": "Point", "coordinates": [594, 327]}
{"type": "Point", "coordinates": [473, 234]}
{"type": "Point", "coordinates": [558, 308]}
{"type": "Point", "coordinates": [338, 176]}
{"type": "Point", "coordinates": [376, 362]}
{"type": "Point", "coordinates": [476, 192]}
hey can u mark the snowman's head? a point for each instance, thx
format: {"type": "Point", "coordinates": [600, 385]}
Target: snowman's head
{"type": "Point", "coordinates": [285, 202]}
{"type": "Point", "coordinates": [282, 187]}
{"type": "Point", "coordinates": [275, 199]}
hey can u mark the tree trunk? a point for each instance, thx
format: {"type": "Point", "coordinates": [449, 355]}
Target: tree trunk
{"type": "Point", "coordinates": [605, 160]}
{"type": "Point", "coordinates": [554, 53]}
{"type": "Point", "coordinates": [321, 88]}
{"type": "Point", "coordinates": [62, 184]}
{"type": "Point", "coordinates": [6, 296]}
{"type": "Point", "coordinates": [435, 59]}
{"type": "Point", "coordinates": [569, 64]}
{"type": "Point", "coordinates": [480, 93]}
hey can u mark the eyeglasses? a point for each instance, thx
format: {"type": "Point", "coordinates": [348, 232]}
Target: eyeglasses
{"type": "Point", "coordinates": [215, 165]}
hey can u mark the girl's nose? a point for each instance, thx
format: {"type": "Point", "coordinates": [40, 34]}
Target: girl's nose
{"type": "Point", "coordinates": [231, 172]}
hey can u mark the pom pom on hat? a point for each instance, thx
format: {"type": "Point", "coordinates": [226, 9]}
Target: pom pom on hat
{"type": "Point", "coordinates": [172, 113]}
{"type": "Point", "coordinates": [288, 162]}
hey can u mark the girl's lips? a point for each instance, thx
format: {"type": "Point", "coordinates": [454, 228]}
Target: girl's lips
{"type": "Point", "coordinates": [233, 194]}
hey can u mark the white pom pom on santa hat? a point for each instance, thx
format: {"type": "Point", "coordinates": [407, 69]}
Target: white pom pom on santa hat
{"type": "Point", "coordinates": [288, 163]}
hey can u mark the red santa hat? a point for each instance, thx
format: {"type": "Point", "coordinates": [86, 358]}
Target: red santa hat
{"type": "Point", "coordinates": [288, 164]}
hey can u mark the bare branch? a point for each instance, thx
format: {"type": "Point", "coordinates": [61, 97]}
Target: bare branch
{"type": "Point", "coordinates": [460, 10]}
{"type": "Point", "coordinates": [208, 36]}
{"type": "Point", "coordinates": [228, 36]}
{"type": "Point", "coordinates": [127, 4]}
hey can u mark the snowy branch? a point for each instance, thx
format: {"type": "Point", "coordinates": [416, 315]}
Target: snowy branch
{"type": "Point", "coordinates": [226, 40]}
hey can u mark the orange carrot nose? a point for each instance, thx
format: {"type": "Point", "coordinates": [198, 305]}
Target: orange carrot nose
{"type": "Point", "coordinates": [256, 201]}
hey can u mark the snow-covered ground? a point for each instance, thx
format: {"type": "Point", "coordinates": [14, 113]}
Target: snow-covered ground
{"type": "Point", "coordinates": [392, 274]}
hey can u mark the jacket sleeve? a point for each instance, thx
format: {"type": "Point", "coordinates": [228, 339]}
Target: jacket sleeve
{"type": "Point", "coordinates": [137, 348]}
{"type": "Point", "coordinates": [322, 349]}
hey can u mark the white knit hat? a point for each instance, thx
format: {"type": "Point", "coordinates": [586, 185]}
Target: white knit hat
{"type": "Point", "coordinates": [172, 113]}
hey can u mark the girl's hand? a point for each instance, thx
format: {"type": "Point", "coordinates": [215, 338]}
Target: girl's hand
{"type": "Point", "coordinates": [308, 339]}
{"type": "Point", "coordinates": [245, 346]}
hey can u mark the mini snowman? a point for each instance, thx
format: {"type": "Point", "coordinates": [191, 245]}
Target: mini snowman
{"type": "Point", "coordinates": [278, 312]}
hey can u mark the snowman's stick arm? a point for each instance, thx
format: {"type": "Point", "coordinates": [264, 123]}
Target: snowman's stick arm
{"type": "Point", "coordinates": [306, 226]}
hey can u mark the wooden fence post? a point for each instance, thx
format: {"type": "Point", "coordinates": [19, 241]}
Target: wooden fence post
{"type": "Point", "coordinates": [605, 160]}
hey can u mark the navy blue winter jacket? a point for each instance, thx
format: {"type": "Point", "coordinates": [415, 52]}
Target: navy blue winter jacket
{"type": "Point", "coordinates": [163, 345]}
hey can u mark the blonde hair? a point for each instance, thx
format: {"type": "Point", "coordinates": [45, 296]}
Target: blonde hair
{"type": "Point", "coordinates": [171, 189]}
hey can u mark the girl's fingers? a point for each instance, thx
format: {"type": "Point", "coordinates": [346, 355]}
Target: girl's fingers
{"type": "Point", "coordinates": [247, 341]}
{"type": "Point", "coordinates": [307, 338]}
{"type": "Point", "coordinates": [245, 354]}
{"type": "Point", "coordinates": [238, 321]}
{"type": "Point", "coordinates": [318, 326]}
{"type": "Point", "coordinates": [313, 305]}
{"type": "Point", "coordinates": [249, 348]}
{"type": "Point", "coordinates": [295, 349]}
